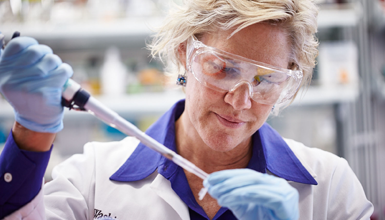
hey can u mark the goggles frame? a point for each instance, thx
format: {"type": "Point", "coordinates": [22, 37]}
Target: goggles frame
{"type": "Point", "coordinates": [294, 77]}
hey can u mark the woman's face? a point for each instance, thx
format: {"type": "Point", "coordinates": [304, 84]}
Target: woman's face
{"type": "Point", "coordinates": [225, 120]}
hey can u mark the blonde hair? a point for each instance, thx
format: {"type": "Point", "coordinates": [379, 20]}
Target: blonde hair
{"type": "Point", "coordinates": [298, 17]}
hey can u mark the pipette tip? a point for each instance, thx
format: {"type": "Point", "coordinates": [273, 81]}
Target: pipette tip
{"type": "Point", "coordinates": [202, 193]}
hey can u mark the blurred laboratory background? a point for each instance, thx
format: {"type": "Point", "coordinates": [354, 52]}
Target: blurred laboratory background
{"type": "Point", "coordinates": [342, 111]}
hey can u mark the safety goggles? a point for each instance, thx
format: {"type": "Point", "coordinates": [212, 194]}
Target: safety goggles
{"type": "Point", "coordinates": [223, 71]}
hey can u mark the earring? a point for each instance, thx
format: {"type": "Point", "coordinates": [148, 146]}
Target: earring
{"type": "Point", "coordinates": [181, 80]}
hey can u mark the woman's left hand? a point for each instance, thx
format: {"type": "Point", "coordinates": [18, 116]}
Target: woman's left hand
{"type": "Point", "coordinates": [253, 195]}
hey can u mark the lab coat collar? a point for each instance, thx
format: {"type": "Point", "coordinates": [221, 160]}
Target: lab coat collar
{"type": "Point", "coordinates": [144, 161]}
{"type": "Point", "coordinates": [161, 186]}
{"type": "Point", "coordinates": [279, 158]}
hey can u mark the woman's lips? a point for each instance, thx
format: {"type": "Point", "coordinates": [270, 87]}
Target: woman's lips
{"type": "Point", "coordinates": [230, 122]}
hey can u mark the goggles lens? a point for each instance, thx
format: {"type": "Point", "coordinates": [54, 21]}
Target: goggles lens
{"type": "Point", "coordinates": [224, 71]}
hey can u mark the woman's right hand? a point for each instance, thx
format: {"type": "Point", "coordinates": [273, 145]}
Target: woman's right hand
{"type": "Point", "coordinates": [31, 80]}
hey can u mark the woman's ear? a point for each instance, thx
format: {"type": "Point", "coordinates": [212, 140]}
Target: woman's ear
{"type": "Point", "coordinates": [182, 53]}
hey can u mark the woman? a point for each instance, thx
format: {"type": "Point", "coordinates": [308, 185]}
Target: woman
{"type": "Point", "coordinates": [239, 61]}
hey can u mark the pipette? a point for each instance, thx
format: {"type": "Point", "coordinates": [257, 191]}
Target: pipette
{"type": "Point", "coordinates": [74, 94]}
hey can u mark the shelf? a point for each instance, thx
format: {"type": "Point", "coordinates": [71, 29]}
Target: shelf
{"type": "Point", "coordinates": [141, 104]}
{"type": "Point", "coordinates": [129, 32]}
{"type": "Point", "coordinates": [86, 29]}
{"type": "Point", "coordinates": [339, 15]}
{"type": "Point", "coordinates": [133, 31]}
{"type": "Point", "coordinates": [130, 105]}
{"type": "Point", "coordinates": [326, 95]}
{"type": "Point", "coordinates": [158, 103]}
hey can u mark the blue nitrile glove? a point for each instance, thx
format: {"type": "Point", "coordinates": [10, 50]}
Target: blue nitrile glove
{"type": "Point", "coordinates": [31, 79]}
{"type": "Point", "coordinates": [253, 195]}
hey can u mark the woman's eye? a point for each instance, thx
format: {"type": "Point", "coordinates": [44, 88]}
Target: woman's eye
{"type": "Point", "coordinates": [275, 78]}
{"type": "Point", "coordinates": [210, 67]}
{"type": "Point", "coordinates": [215, 67]}
{"type": "Point", "coordinates": [231, 71]}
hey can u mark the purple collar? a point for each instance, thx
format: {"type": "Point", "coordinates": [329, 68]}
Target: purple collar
{"type": "Point", "coordinates": [276, 154]}
{"type": "Point", "coordinates": [270, 152]}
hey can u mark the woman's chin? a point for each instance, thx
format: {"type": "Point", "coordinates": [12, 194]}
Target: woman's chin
{"type": "Point", "coordinates": [222, 144]}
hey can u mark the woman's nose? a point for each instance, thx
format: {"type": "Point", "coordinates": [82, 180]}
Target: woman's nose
{"type": "Point", "coordinates": [240, 96]}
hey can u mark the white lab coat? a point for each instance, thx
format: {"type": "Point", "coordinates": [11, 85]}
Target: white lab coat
{"type": "Point", "coordinates": [81, 189]}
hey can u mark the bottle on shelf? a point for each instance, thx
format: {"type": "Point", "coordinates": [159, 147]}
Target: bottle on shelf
{"type": "Point", "coordinates": [113, 74]}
